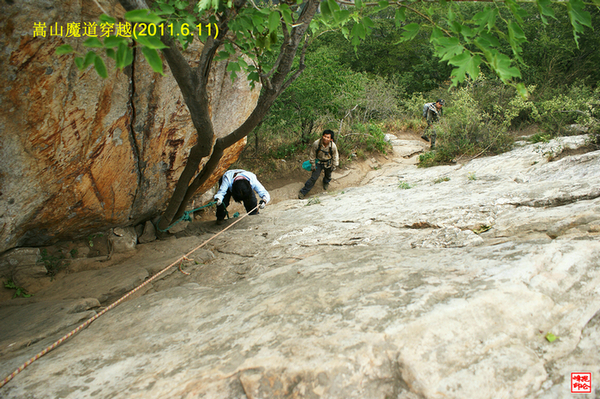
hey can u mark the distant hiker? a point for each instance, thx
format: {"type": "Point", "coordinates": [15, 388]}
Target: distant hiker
{"type": "Point", "coordinates": [240, 185]}
{"type": "Point", "coordinates": [432, 113]}
{"type": "Point", "coordinates": [323, 155]}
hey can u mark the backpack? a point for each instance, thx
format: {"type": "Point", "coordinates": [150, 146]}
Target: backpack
{"type": "Point", "coordinates": [425, 108]}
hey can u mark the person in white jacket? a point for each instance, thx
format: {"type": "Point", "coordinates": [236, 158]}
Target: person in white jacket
{"type": "Point", "coordinates": [241, 185]}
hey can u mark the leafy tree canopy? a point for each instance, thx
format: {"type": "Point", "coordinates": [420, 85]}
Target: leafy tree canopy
{"type": "Point", "coordinates": [464, 40]}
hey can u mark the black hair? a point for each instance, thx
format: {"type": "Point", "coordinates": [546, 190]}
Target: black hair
{"type": "Point", "coordinates": [241, 189]}
{"type": "Point", "coordinates": [442, 102]}
{"type": "Point", "coordinates": [330, 132]}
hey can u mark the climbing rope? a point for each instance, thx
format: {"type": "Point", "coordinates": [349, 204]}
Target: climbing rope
{"type": "Point", "coordinates": [90, 320]}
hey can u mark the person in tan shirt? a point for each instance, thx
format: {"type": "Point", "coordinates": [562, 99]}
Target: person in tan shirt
{"type": "Point", "coordinates": [323, 156]}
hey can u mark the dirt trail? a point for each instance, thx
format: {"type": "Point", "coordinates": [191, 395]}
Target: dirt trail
{"type": "Point", "coordinates": [285, 184]}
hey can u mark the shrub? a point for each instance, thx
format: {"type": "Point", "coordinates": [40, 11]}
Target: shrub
{"type": "Point", "coordinates": [467, 129]}
{"type": "Point", "coordinates": [367, 136]}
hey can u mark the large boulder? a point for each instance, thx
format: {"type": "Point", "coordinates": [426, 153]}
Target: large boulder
{"type": "Point", "coordinates": [80, 153]}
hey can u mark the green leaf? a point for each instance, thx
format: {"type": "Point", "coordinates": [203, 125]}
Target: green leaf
{"type": "Point", "coordinates": [368, 22]}
{"type": "Point", "coordinates": [578, 18]}
{"type": "Point", "coordinates": [223, 55]}
{"type": "Point", "coordinates": [111, 53]}
{"type": "Point", "coordinates": [261, 42]}
{"type": "Point", "coordinates": [273, 21]}
{"type": "Point", "coordinates": [167, 9]}
{"type": "Point", "coordinates": [410, 31]}
{"type": "Point", "coordinates": [522, 90]}
{"type": "Point", "coordinates": [342, 16]}
{"type": "Point", "coordinates": [545, 10]}
{"type": "Point", "coordinates": [358, 30]}
{"type": "Point", "coordinates": [448, 47]}
{"type": "Point", "coordinates": [121, 55]}
{"type": "Point", "coordinates": [143, 16]}
{"type": "Point", "coordinates": [79, 63]}
{"type": "Point", "coordinates": [153, 59]}
{"type": "Point", "coordinates": [333, 5]}
{"type": "Point", "coordinates": [489, 40]}
{"type": "Point", "coordinates": [151, 41]}
{"type": "Point", "coordinates": [107, 19]}
{"type": "Point", "coordinates": [287, 15]}
{"type": "Point", "coordinates": [400, 16]}
{"type": "Point", "coordinates": [129, 56]}
{"type": "Point", "coordinates": [486, 18]}
{"type": "Point", "coordinates": [325, 9]}
{"type": "Point", "coordinates": [93, 42]}
{"type": "Point", "coordinates": [100, 67]}
{"type": "Point", "coordinates": [358, 3]}
{"type": "Point", "coordinates": [516, 10]}
{"type": "Point", "coordinates": [383, 4]}
{"type": "Point", "coordinates": [551, 337]}
{"type": "Point", "coordinates": [516, 36]}
{"type": "Point", "coordinates": [465, 63]}
{"type": "Point", "coordinates": [64, 49]}
{"type": "Point", "coordinates": [258, 21]}
{"type": "Point", "coordinates": [501, 65]}
{"type": "Point", "coordinates": [113, 41]}
{"type": "Point", "coordinates": [204, 5]}
{"type": "Point", "coordinates": [234, 67]}
{"type": "Point", "coordinates": [345, 32]}
{"type": "Point", "coordinates": [273, 37]}
{"type": "Point", "coordinates": [89, 59]}
{"type": "Point", "coordinates": [467, 32]}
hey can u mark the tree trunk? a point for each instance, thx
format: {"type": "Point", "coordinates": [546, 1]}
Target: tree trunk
{"type": "Point", "coordinates": [193, 86]}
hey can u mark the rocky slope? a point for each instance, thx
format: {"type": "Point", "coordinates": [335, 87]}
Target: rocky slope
{"type": "Point", "coordinates": [435, 283]}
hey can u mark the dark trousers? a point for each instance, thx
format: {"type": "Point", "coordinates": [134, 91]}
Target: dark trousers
{"type": "Point", "coordinates": [430, 134]}
{"type": "Point", "coordinates": [249, 203]}
{"type": "Point", "coordinates": [315, 175]}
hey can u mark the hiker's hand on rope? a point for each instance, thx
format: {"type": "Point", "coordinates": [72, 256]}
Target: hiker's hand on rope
{"type": "Point", "coordinates": [262, 204]}
{"type": "Point", "coordinates": [219, 202]}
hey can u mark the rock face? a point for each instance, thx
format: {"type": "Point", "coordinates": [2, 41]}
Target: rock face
{"type": "Point", "coordinates": [443, 290]}
{"type": "Point", "coordinates": [79, 153]}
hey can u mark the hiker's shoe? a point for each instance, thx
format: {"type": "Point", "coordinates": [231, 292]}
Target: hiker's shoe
{"type": "Point", "coordinates": [220, 221]}
{"type": "Point", "coordinates": [300, 195]}
{"type": "Point", "coordinates": [425, 138]}
{"type": "Point", "coordinates": [325, 186]}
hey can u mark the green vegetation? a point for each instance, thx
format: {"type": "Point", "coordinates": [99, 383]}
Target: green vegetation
{"type": "Point", "coordinates": [53, 263]}
{"type": "Point", "coordinates": [441, 180]}
{"type": "Point", "coordinates": [380, 86]}
{"type": "Point", "coordinates": [19, 291]}
{"type": "Point", "coordinates": [404, 185]}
